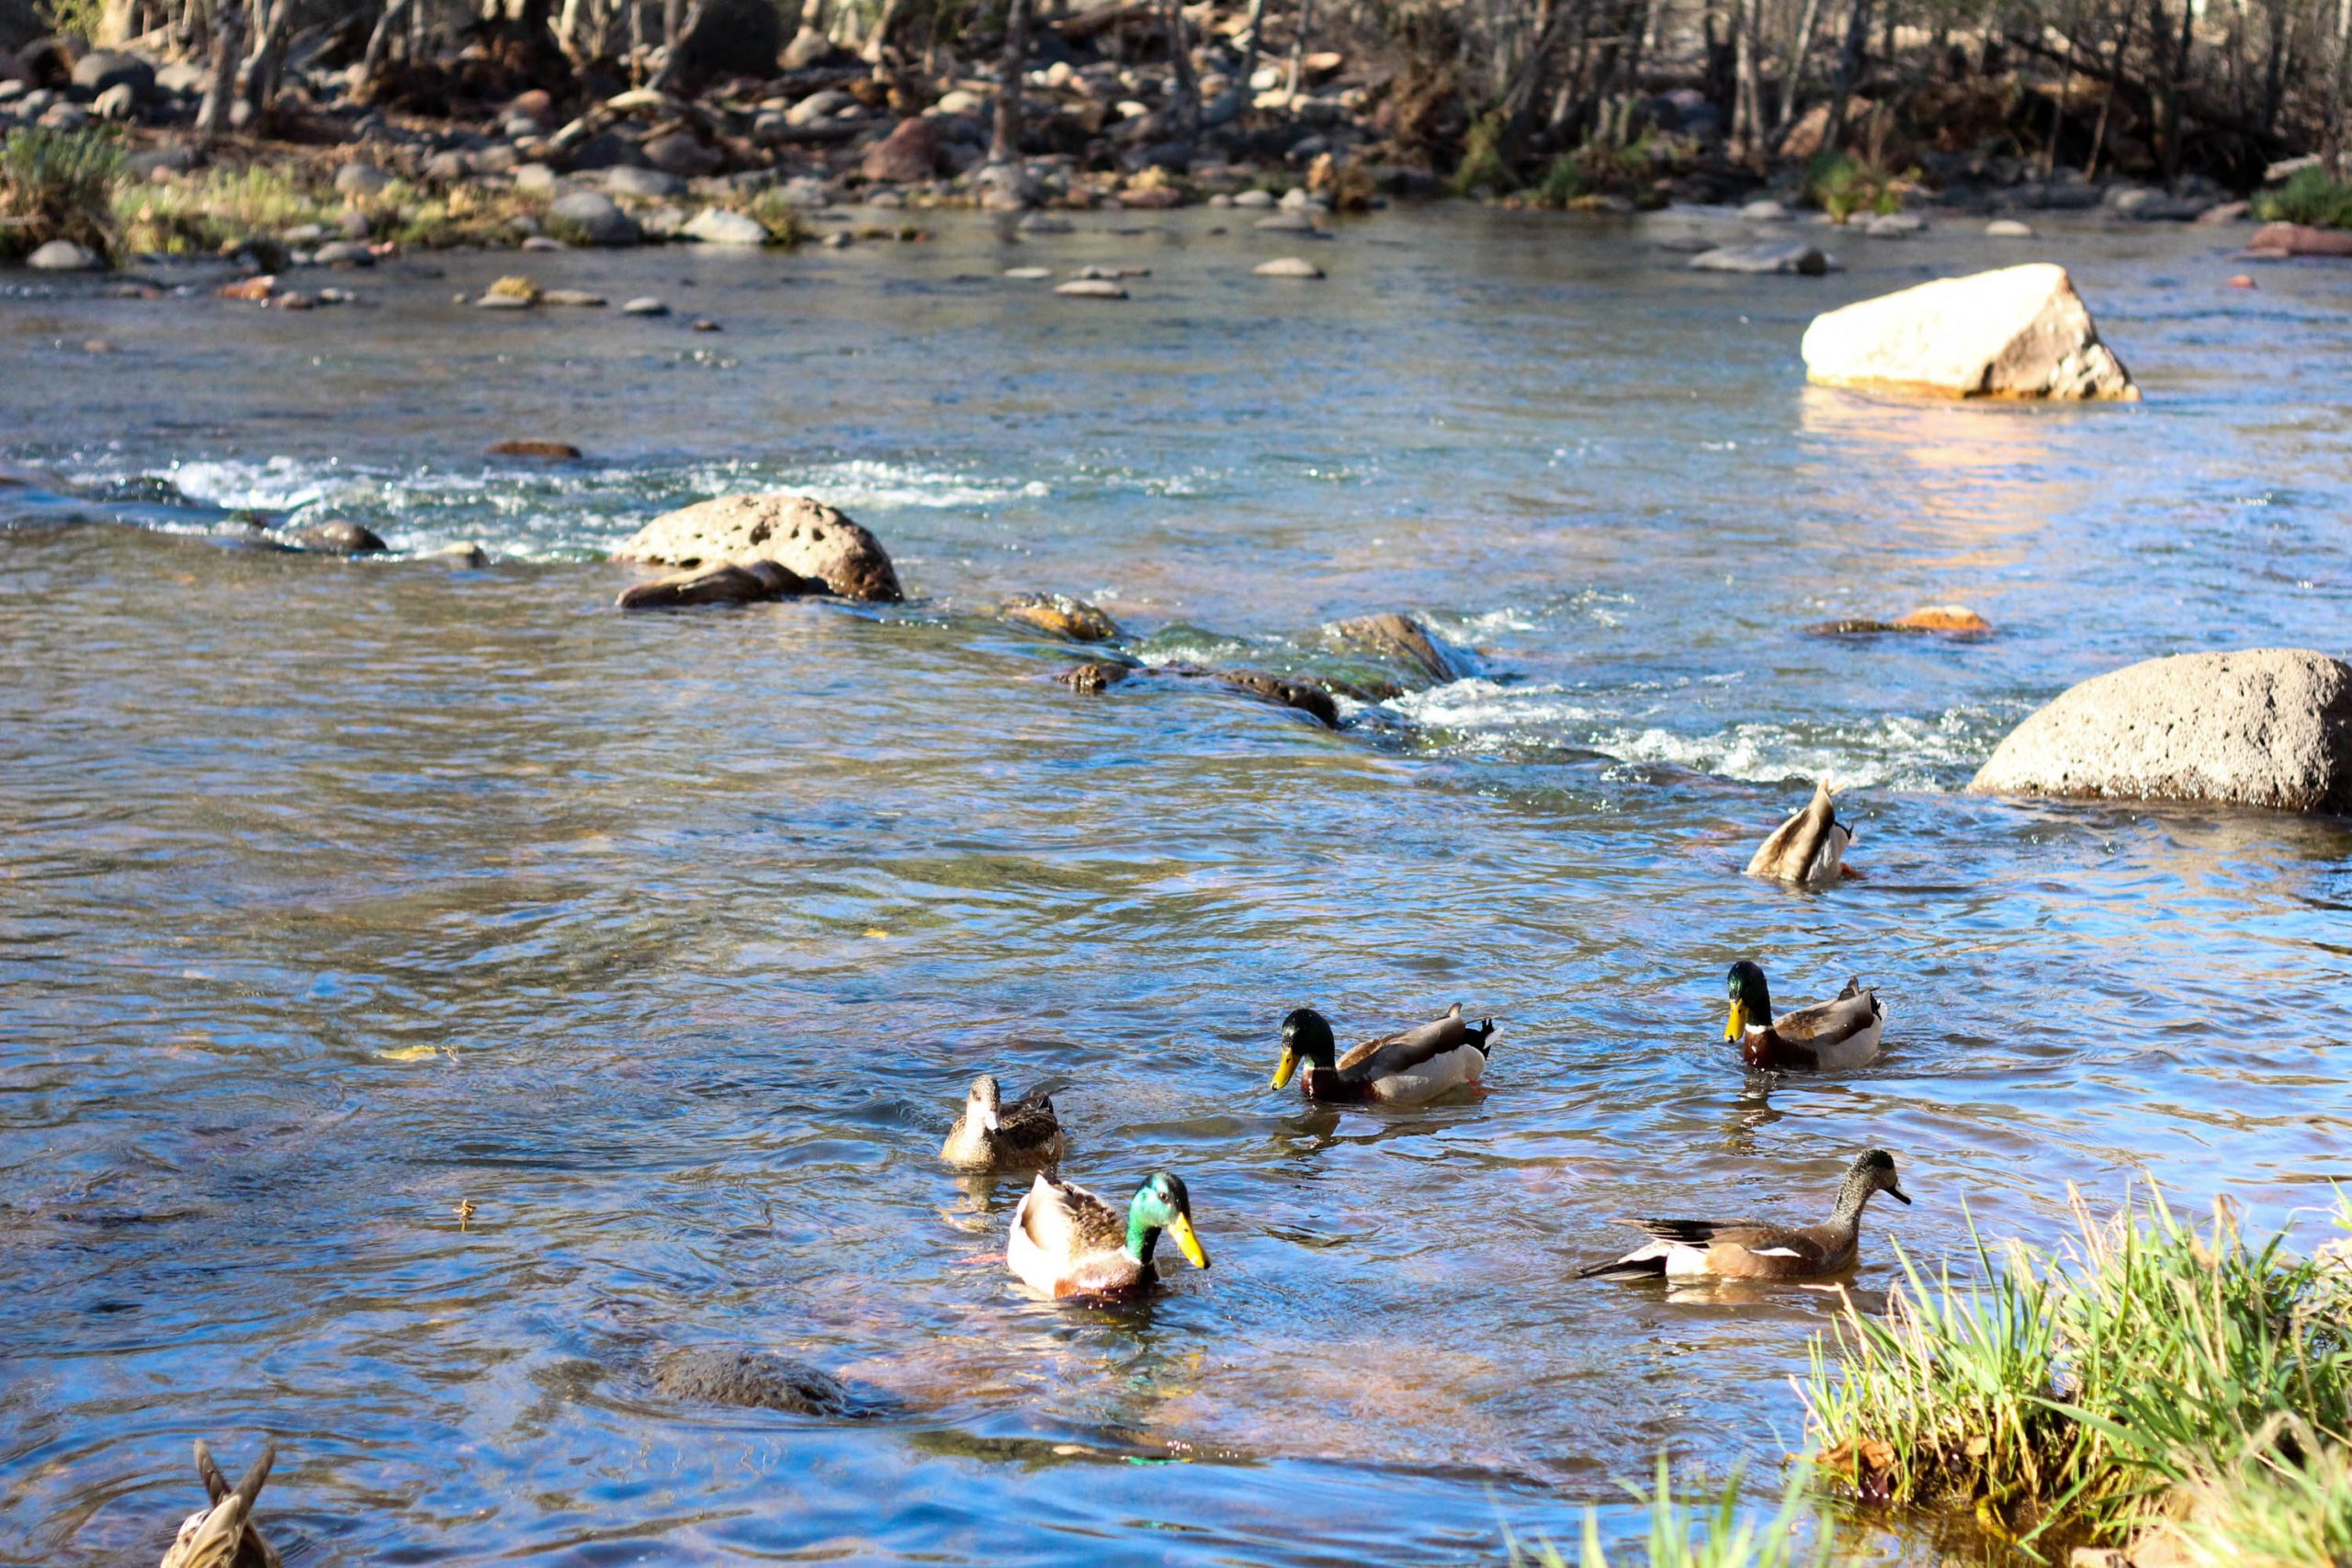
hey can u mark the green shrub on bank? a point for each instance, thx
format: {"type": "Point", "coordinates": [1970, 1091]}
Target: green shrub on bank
{"type": "Point", "coordinates": [57, 185]}
{"type": "Point", "coordinates": [2308, 197]}
{"type": "Point", "coordinates": [1842, 184]}
{"type": "Point", "coordinates": [1483, 163]}
{"type": "Point", "coordinates": [200, 212]}
{"type": "Point", "coordinates": [2093, 1389]}
{"type": "Point", "coordinates": [1602, 169]}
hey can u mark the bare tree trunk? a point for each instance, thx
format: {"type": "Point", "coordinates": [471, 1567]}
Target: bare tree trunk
{"type": "Point", "coordinates": [880, 38]}
{"type": "Point", "coordinates": [228, 45]}
{"type": "Point", "coordinates": [1298, 45]}
{"type": "Point", "coordinates": [1011, 72]}
{"type": "Point", "coordinates": [673, 56]}
{"type": "Point", "coordinates": [1849, 70]}
{"type": "Point", "coordinates": [1747, 115]}
{"type": "Point", "coordinates": [1249, 40]}
{"type": "Point", "coordinates": [1792, 74]}
{"type": "Point", "coordinates": [674, 19]}
{"type": "Point", "coordinates": [264, 64]}
{"type": "Point", "coordinates": [2107, 104]}
{"type": "Point", "coordinates": [1186, 94]}
{"type": "Point", "coordinates": [2058, 115]}
{"type": "Point", "coordinates": [2272, 78]}
{"type": "Point", "coordinates": [379, 45]}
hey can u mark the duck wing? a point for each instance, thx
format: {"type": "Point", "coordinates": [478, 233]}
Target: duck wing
{"type": "Point", "coordinates": [1408, 1049]}
{"type": "Point", "coordinates": [1794, 851]}
{"type": "Point", "coordinates": [1807, 1246]}
{"type": "Point", "coordinates": [1066, 1221]}
{"type": "Point", "coordinates": [1029, 1123]}
{"type": "Point", "coordinates": [1826, 1025]}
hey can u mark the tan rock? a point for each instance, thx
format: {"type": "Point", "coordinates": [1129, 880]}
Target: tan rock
{"type": "Point", "coordinates": [2300, 240]}
{"type": "Point", "coordinates": [2020, 332]}
{"type": "Point", "coordinates": [1063, 616]}
{"type": "Point", "coordinates": [798, 533]}
{"type": "Point", "coordinates": [1943, 618]}
{"type": "Point", "coordinates": [1400, 641]}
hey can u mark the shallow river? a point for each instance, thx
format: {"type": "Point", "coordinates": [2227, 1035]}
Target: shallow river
{"type": "Point", "coordinates": [336, 893]}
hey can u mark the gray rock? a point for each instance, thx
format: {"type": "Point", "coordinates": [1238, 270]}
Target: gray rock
{"type": "Point", "coordinates": [118, 103]}
{"type": "Point", "coordinates": [1254, 198]}
{"type": "Point", "coordinates": [1291, 222]}
{"type": "Point", "coordinates": [65, 256]}
{"type": "Point", "coordinates": [1894, 226]}
{"type": "Point", "coordinates": [645, 305]}
{"type": "Point", "coordinates": [806, 190]}
{"type": "Point", "coordinates": [533, 177]}
{"type": "Point", "coordinates": [717, 226]}
{"type": "Point", "coordinates": [355, 225]}
{"type": "Point", "coordinates": [802, 534]}
{"type": "Point", "coordinates": [1287, 267]}
{"type": "Point", "coordinates": [578, 298]}
{"type": "Point", "coordinates": [2265, 726]}
{"type": "Point", "coordinates": [1045, 224]}
{"type": "Point", "coordinates": [344, 253]}
{"type": "Point", "coordinates": [1091, 288]}
{"type": "Point", "coordinates": [181, 78]}
{"type": "Point", "coordinates": [2008, 229]}
{"type": "Point", "coordinates": [659, 183]}
{"type": "Point", "coordinates": [1808, 261]}
{"type": "Point", "coordinates": [1765, 210]}
{"type": "Point", "coordinates": [1401, 640]}
{"type": "Point", "coordinates": [338, 537]}
{"type": "Point", "coordinates": [103, 69]}
{"type": "Point", "coordinates": [818, 106]}
{"type": "Point", "coordinates": [361, 180]}
{"type": "Point", "coordinates": [590, 217]}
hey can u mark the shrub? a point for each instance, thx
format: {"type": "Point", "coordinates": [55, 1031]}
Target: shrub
{"type": "Point", "coordinates": [203, 211]}
{"type": "Point", "coordinates": [1842, 184]}
{"type": "Point", "coordinates": [1482, 158]}
{"type": "Point", "coordinates": [2308, 197]}
{"type": "Point", "coordinates": [1600, 169]}
{"type": "Point", "coordinates": [57, 184]}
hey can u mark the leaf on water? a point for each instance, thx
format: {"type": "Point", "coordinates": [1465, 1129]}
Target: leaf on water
{"type": "Point", "coordinates": [409, 1054]}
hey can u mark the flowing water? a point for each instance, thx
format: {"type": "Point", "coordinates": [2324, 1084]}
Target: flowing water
{"type": "Point", "coordinates": [337, 893]}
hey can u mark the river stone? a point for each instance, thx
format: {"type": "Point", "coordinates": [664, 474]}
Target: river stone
{"type": "Point", "coordinates": [797, 532]}
{"type": "Point", "coordinates": [1400, 641]}
{"type": "Point", "coordinates": [1029, 274]}
{"type": "Point", "coordinates": [2008, 229]}
{"type": "Point", "coordinates": [2265, 726]}
{"type": "Point", "coordinates": [1894, 226]}
{"type": "Point", "coordinates": [1310, 700]}
{"type": "Point", "coordinates": [1765, 210]}
{"type": "Point", "coordinates": [343, 252]}
{"type": "Point", "coordinates": [717, 226]}
{"type": "Point", "coordinates": [1805, 261]}
{"type": "Point", "coordinates": [910, 153]}
{"type": "Point", "coordinates": [1287, 267]}
{"type": "Point", "coordinates": [117, 104]}
{"type": "Point", "coordinates": [1094, 677]}
{"type": "Point", "coordinates": [753, 582]}
{"type": "Point", "coordinates": [2299, 240]}
{"type": "Point", "coordinates": [102, 69]}
{"type": "Point", "coordinates": [65, 256]}
{"type": "Point", "coordinates": [645, 305]}
{"type": "Point", "coordinates": [751, 1380]}
{"type": "Point", "coordinates": [2020, 332]}
{"type": "Point", "coordinates": [1091, 288]}
{"type": "Point", "coordinates": [1063, 616]}
{"type": "Point", "coordinates": [651, 183]}
{"type": "Point", "coordinates": [534, 447]}
{"type": "Point", "coordinates": [339, 537]}
{"type": "Point", "coordinates": [591, 217]}
{"type": "Point", "coordinates": [361, 180]}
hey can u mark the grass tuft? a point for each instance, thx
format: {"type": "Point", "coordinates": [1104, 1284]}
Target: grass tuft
{"type": "Point", "coordinates": [1842, 184]}
{"type": "Point", "coordinates": [1600, 170]}
{"type": "Point", "coordinates": [1483, 166]}
{"type": "Point", "coordinates": [57, 185]}
{"type": "Point", "coordinates": [1709, 1534]}
{"type": "Point", "coordinates": [2308, 197]}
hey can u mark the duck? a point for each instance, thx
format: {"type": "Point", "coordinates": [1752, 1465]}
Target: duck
{"type": "Point", "coordinates": [1808, 850]}
{"type": "Point", "coordinates": [222, 1534]}
{"type": "Point", "coordinates": [1833, 1036]}
{"type": "Point", "coordinates": [1066, 1241]}
{"type": "Point", "coordinates": [1410, 1068]}
{"type": "Point", "coordinates": [1747, 1249]}
{"type": "Point", "coordinates": [991, 1135]}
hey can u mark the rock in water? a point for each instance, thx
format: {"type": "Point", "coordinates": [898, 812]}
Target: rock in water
{"type": "Point", "coordinates": [1805, 261]}
{"type": "Point", "coordinates": [754, 582]}
{"type": "Point", "coordinates": [717, 226]}
{"type": "Point", "coordinates": [533, 446]}
{"type": "Point", "coordinates": [2020, 332]}
{"type": "Point", "coordinates": [1287, 267]}
{"type": "Point", "coordinates": [1399, 639]}
{"type": "Point", "coordinates": [590, 218]}
{"type": "Point", "coordinates": [798, 533]}
{"type": "Point", "coordinates": [1094, 677]}
{"type": "Point", "coordinates": [1091, 288]}
{"type": "Point", "coordinates": [1062, 616]}
{"type": "Point", "coordinates": [338, 537]}
{"type": "Point", "coordinates": [2299, 240]}
{"type": "Point", "coordinates": [2265, 726]}
{"type": "Point", "coordinates": [752, 1380]}
{"type": "Point", "coordinates": [1281, 690]}
{"type": "Point", "coordinates": [65, 256]}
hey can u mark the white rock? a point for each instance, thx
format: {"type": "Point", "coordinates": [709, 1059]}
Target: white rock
{"type": "Point", "coordinates": [2008, 229]}
{"type": "Point", "coordinates": [962, 101]}
{"type": "Point", "coordinates": [717, 226]}
{"type": "Point", "coordinates": [1765, 211]}
{"type": "Point", "coordinates": [65, 256]}
{"type": "Point", "coordinates": [1287, 267]}
{"type": "Point", "coordinates": [1254, 198]}
{"type": "Point", "coordinates": [645, 305]}
{"type": "Point", "coordinates": [1894, 226]}
{"type": "Point", "coordinates": [1091, 288]}
{"type": "Point", "coordinates": [1029, 274]}
{"type": "Point", "coordinates": [2020, 332]}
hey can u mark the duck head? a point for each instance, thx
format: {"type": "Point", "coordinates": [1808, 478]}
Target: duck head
{"type": "Point", "coordinates": [1872, 1171]}
{"type": "Point", "coordinates": [1163, 1204]}
{"type": "Point", "coordinates": [1751, 1001]}
{"type": "Point", "coordinates": [982, 1102]}
{"type": "Point", "coordinates": [1306, 1037]}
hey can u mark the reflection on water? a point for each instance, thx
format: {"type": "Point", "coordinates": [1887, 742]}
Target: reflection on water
{"type": "Point", "coordinates": [341, 892]}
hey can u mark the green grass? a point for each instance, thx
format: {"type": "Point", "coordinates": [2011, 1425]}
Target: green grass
{"type": "Point", "coordinates": [2091, 1389]}
{"type": "Point", "coordinates": [1600, 169]}
{"type": "Point", "coordinates": [1709, 1534]}
{"type": "Point", "coordinates": [783, 222]}
{"type": "Point", "coordinates": [1842, 185]}
{"type": "Point", "coordinates": [2308, 197]}
{"type": "Point", "coordinates": [2268, 1511]}
{"type": "Point", "coordinates": [200, 212]}
{"type": "Point", "coordinates": [57, 185]}
{"type": "Point", "coordinates": [1483, 163]}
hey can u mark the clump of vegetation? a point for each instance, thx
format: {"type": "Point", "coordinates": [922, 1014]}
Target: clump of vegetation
{"type": "Point", "coordinates": [465, 214]}
{"type": "Point", "coordinates": [2268, 1511]}
{"type": "Point", "coordinates": [203, 211]}
{"type": "Point", "coordinates": [57, 184]}
{"type": "Point", "coordinates": [1709, 1535]}
{"type": "Point", "coordinates": [514, 286]}
{"type": "Point", "coordinates": [1842, 184]}
{"type": "Point", "coordinates": [1600, 170]}
{"type": "Point", "coordinates": [783, 222]}
{"type": "Point", "coordinates": [1483, 166]}
{"type": "Point", "coordinates": [2308, 197]}
{"type": "Point", "coordinates": [2095, 1389]}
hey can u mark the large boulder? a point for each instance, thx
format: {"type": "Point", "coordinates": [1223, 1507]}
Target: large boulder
{"type": "Point", "coordinates": [590, 218]}
{"type": "Point", "coordinates": [804, 536]}
{"type": "Point", "coordinates": [910, 153]}
{"type": "Point", "coordinates": [103, 68]}
{"type": "Point", "coordinates": [2020, 332]}
{"type": "Point", "coordinates": [2270, 727]}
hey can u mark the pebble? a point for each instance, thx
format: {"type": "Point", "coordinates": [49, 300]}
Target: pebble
{"type": "Point", "coordinates": [1287, 267]}
{"type": "Point", "coordinates": [645, 305]}
{"type": "Point", "coordinates": [2008, 229]}
{"type": "Point", "coordinates": [705, 325]}
{"type": "Point", "coordinates": [542, 242]}
{"type": "Point", "coordinates": [1029, 274]}
{"type": "Point", "coordinates": [1091, 288]}
{"type": "Point", "coordinates": [577, 296]}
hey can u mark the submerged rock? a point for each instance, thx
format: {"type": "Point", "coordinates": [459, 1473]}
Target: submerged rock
{"type": "Point", "coordinates": [2299, 240]}
{"type": "Point", "coordinates": [753, 582]}
{"type": "Point", "coordinates": [1091, 288]}
{"type": "Point", "coordinates": [1309, 699]}
{"type": "Point", "coordinates": [1288, 266]}
{"type": "Point", "coordinates": [1094, 677]}
{"type": "Point", "coordinates": [562, 451]}
{"type": "Point", "coordinates": [1062, 616]}
{"type": "Point", "coordinates": [2265, 726]}
{"type": "Point", "coordinates": [2020, 332]}
{"type": "Point", "coordinates": [798, 533]}
{"type": "Point", "coordinates": [1955, 618]}
{"type": "Point", "coordinates": [750, 1379]}
{"type": "Point", "coordinates": [338, 537]}
{"type": "Point", "coordinates": [1805, 261]}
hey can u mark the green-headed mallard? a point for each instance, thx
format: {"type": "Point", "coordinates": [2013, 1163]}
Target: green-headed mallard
{"type": "Point", "coordinates": [1068, 1242]}
{"type": "Point", "coordinates": [223, 1535]}
{"type": "Point", "coordinates": [992, 1136]}
{"type": "Point", "coordinates": [1411, 1067]}
{"type": "Point", "coordinates": [1809, 849]}
{"type": "Point", "coordinates": [1832, 1035]}
{"type": "Point", "coordinates": [1747, 1249]}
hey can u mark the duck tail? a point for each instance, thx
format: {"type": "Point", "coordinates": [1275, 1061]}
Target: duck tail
{"type": "Point", "coordinates": [1480, 1034]}
{"type": "Point", "coordinates": [1634, 1267]}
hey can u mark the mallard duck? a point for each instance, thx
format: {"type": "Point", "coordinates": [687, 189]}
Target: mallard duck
{"type": "Point", "coordinates": [1833, 1036]}
{"type": "Point", "coordinates": [1746, 1250]}
{"type": "Point", "coordinates": [991, 1135]}
{"type": "Point", "coordinates": [1068, 1242]}
{"type": "Point", "coordinates": [1809, 849]}
{"type": "Point", "coordinates": [1412, 1067]}
{"type": "Point", "coordinates": [223, 1535]}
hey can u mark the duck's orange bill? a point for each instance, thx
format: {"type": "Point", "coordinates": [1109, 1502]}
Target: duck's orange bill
{"type": "Point", "coordinates": [1182, 1229]}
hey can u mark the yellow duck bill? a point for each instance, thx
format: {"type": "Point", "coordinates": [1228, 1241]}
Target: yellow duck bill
{"type": "Point", "coordinates": [1285, 1068]}
{"type": "Point", "coordinates": [1182, 1229]}
{"type": "Point", "coordinates": [1737, 1026]}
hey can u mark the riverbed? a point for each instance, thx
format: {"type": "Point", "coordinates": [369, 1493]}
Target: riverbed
{"type": "Point", "coordinates": [339, 892]}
